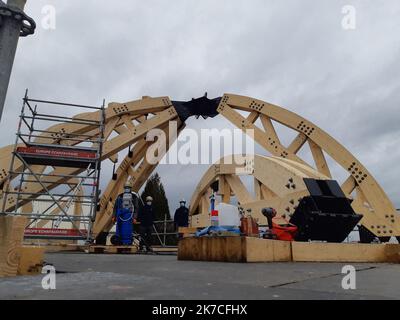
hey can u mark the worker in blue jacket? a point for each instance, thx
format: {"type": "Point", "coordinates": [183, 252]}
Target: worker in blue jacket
{"type": "Point", "coordinates": [124, 215]}
{"type": "Point", "coordinates": [146, 220]}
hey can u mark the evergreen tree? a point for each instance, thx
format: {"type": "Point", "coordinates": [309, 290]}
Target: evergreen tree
{"type": "Point", "coordinates": [155, 189]}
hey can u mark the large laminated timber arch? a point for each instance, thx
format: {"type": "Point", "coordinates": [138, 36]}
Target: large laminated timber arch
{"type": "Point", "coordinates": [127, 125]}
{"type": "Point", "coordinates": [278, 183]}
{"type": "Point", "coordinates": [380, 216]}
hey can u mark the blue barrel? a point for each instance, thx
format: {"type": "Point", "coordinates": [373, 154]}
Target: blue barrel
{"type": "Point", "coordinates": [125, 226]}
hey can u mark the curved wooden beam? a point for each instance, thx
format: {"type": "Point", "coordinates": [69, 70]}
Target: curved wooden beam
{"type": "Point", "coordinates": [278, 183]}
{"type": "Point", "coordinates": [127, 123]}
{"type": "Point", "coordinates": [379, 212]}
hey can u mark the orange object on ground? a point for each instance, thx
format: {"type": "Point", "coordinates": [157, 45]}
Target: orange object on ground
{"type": "Point", "coordinates": [286, 232]}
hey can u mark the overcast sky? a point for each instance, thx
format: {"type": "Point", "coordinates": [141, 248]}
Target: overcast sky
{"type": "Point", "coordinates": [292, 53]}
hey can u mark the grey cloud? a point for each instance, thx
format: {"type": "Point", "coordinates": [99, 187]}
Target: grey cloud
{"type": "Point", "coordinates": [292, 53]}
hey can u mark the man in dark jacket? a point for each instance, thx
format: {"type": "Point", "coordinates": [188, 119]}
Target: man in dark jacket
{"type": "Point", "coordinates": [181, 217]}
{"type": "Point", "coordinates": [146, 219]}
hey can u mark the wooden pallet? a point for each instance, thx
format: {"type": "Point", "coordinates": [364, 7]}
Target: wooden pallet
{"type": "Point", "coordinates": [113, 249]}
{"type": "Point", "coordinates": [165, 249]}
{"type": "Point", "coordinates": [242, 249]}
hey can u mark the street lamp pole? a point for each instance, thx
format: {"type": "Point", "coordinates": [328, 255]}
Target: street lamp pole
{"type": "Point", "coordinates": [14, 23]}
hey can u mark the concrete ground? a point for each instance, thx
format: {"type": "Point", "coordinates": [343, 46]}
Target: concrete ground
{"type": "Point", "coordinates": [83, 276]}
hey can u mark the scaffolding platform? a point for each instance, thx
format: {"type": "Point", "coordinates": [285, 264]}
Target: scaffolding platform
{"type": "Point", "coordinates": [56, 166]}
{"type": "Point", "coordinates": [58, 156]}
{"type": "Point", "coordinates": [53, 234]}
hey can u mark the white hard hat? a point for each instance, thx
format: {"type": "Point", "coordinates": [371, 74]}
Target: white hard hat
{"type": "Point", "coordinates": [128, 184]}
{"type": "Point", "coordinates": [183, 200]}
{"type": "Point", "coordinates": [149, 198]}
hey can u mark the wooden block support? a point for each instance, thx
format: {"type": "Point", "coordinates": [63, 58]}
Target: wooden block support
{"type": "Point", "coordinates": [241, 249]}
{"type": "Point", "coordinates": [11, 237]}
{"type": "Point", "coordinates": [261, 250]}
{"type": "Point", "coordinates": [222, 249]}
{"type": "Point", "coordinates": [31, 260]}
{"type": "Point", "coordinates": [233, 249]}
{"type": "Point", "coordinates": [345, 252]}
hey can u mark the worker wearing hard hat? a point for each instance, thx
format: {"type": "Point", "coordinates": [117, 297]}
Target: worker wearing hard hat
{"type": "Point", "coordinates": [146, 220]}
{"type": "Point", "coordinates": [124, 215]}
{"type": "Point", "coordinates": [181, 217]}
{"type": "Point", "coordinates": [129, 196]}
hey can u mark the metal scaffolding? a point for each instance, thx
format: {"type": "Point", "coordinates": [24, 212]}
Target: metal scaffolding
{"type": "Point", "coordinates": [38, 152]}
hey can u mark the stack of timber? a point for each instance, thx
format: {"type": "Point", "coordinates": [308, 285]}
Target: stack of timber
{"type": "Point", "coordinates": [15, 259]}
{"type": "Point", "coordinates": [246, 249]}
